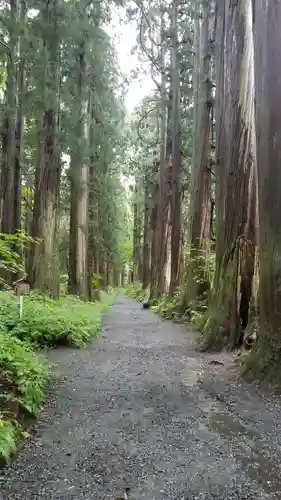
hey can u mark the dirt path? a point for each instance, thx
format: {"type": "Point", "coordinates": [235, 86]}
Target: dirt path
{"type": "Point", "coordinates": [140, 411]}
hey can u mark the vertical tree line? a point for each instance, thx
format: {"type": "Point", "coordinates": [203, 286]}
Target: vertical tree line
{"type": "Point", "coordinates": [215, 193]}
{"type": "Point", "coordinates": [61, 127]}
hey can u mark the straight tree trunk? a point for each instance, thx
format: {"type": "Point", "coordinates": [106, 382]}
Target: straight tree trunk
{"type": "Point", "coordinates": [91, 235]}
{"type": "Point", "coordinates": [161, 212]}
{"type": "Point", "coordinates": [78, 282]}
{"type": "Point", "coordinates": [146, 236]}
{"type": "Point", "coordinates": [197, 277]}
{"type": "Point", "coordinates": [154, 237]}
{"type": "Point", "coordinates": [10, 123]}
{"type": "Point", "coordinates": [267, 42]}
{"type": "Point", "coordinates": [176, 155]}
{"type": "Point", "coordinates": [235, 166]}
{"type": "Point", "coordinates": [10, 173]}
{"type": "Point", "coordinates": [45, 272]}
{"type": "Point", "coordinates": [137, 261]}
{"type": "Point", "coordinates": [20, 118]}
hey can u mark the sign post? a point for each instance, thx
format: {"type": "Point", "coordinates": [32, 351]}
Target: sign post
{"type": "Point", "coordinates": [21, 289]}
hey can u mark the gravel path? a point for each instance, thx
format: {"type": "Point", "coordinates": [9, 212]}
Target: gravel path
{"type": "Point", "coordinates": [139, 414]}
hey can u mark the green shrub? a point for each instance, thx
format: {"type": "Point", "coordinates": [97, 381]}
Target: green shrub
{"type": "Point", "coordinates": [68, 321]}
{"type": "Point", "coordinates": [22, 380]}
{"type": "Point", "coordinates": [22, 373]}
{"type": "Point", "coordinates": [45, 322]}
{"type": "Point", "coordinates": [8, 436]}
{"type": "Point", "coordinates": [135, 291]}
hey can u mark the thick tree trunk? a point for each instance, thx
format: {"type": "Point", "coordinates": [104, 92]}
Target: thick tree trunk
{"type": "Point", "coordinates": [197, 277]}
{"type": "Point", "coordinates": [137, 257]}
{"type": "Point", "coordinates": [176, 155]}
{"type": "Point", "coordinates": [10, 202]}
{"type": "Point", "coordinates": [235, 166]}
{"type": "Point", "coordinates": [91, 235]}
{"type": "Point", "coordinates": [20, 118]}
{"type": "Point", "coordinates": [146, 236]}
{"type": "Point", "coordinates": [267, 42]}
{"type": "Point", "coordinates": [45, 272]}
{"type": "Point", "coordinates": [78, 281]}
{"type": "Point", "coordinates": [8, 174]}
{"type": "Point", "coordinates": [154, 293]}
{"type": "Point", "coordinates": [161, 214]}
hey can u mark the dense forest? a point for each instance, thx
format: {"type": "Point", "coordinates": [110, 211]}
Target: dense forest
{"type": "Point", "coordinates": [62, 119]}
{"type": "Point", "coordinates": [178, 200]}
{"type": "Point", "coordinates": [206, 153]}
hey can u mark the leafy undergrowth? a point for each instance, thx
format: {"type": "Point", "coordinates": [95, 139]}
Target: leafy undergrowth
{"type": "Point", "coordinates": [23, 372]}
{"type": "Point", "coordinates": [22, 381]}
{"type": "Point", "coordinates": [167, 307]}
{"type": "Point", "coordinates": [135, 291]}
{"type": "Point", "coordinates": [46, 322]}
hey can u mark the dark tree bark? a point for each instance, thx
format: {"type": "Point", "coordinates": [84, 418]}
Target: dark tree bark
{"type": "Point", "coordinates": [267, 42]}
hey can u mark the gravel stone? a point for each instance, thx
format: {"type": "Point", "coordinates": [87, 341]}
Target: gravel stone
{"type": "Point", "coordinates": [140, 414]}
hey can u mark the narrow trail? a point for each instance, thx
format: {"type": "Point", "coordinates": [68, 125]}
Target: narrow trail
{"type": "Point", "coordinates": [139, 414]}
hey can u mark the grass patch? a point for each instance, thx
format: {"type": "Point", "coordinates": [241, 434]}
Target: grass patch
{"type": "Point", "coordinates": [23, 374]}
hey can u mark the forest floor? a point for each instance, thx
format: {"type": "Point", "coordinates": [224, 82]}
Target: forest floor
{"type": "Point", "coordinates": [140, 414]}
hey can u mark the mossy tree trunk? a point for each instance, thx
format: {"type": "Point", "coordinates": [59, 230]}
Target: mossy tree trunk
{"type": "Point", "coordinates": [234, 172]}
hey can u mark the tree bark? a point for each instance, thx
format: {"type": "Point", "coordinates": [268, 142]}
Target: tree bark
{"type": "Point", "coordinates": [267, 40]}
{"type": "Point", "coordinates": [10, 122]}
{"type": "Point", "coordinates": [10, 170]}
{"type": "Point", "coordinates": [235, 165]}
{"type": "Point", "coordinates": [161, 211]}
{"type": "Point", "coordinates": [45, 272]}
{"type": "Point", "coordinates": [146, 236]}
{"type": "Point", "coordinates": [197, 276]}
{"type": "Point", "coordinates": [176, 155]}
{"type": "Point", "coordinates": [78, 282]}
{"type": "Point", "coordinates": [20, 118]}
{"type": "Point", "coordinates": [137, 260]}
